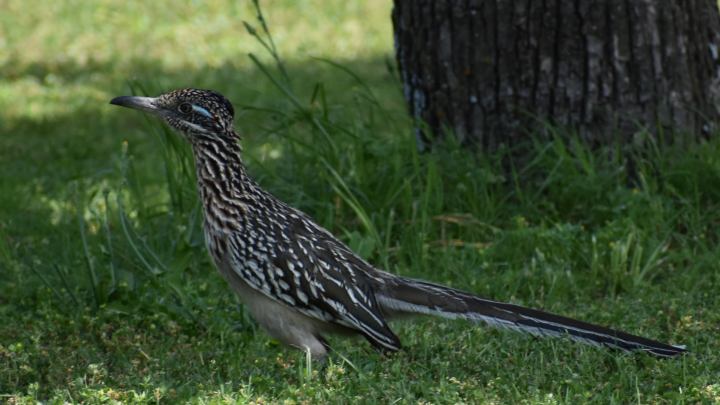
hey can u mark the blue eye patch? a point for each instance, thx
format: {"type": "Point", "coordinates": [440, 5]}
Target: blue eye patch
{"type": "Point", "coordinates": [201, 111]}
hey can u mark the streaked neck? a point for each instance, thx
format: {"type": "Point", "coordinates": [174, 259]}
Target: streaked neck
{"type": "Point", "coordinates": [219, 166]}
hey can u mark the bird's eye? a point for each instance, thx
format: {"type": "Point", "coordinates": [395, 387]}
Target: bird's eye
{"type": "Point", "coordinates": [185, 108]}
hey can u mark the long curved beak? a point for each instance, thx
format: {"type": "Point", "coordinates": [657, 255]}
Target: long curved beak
{"type": "Point", "coordinates": [137, 103]}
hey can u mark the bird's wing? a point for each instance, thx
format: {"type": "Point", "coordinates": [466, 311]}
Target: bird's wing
{"type": "Point", "coordinates": [317, 275]}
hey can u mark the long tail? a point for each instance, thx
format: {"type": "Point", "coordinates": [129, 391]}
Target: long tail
{"type": "Point", "coordinates": [407, 296]}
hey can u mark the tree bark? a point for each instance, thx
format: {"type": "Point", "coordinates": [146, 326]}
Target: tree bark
{"type": "Point", "coordinates": [489, 71]}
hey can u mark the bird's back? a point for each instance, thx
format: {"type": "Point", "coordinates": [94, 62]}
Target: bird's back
{"type": "Point", "coordinates": [281, 253]}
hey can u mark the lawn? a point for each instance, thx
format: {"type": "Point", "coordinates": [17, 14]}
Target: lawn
{"type": "Point", "coordinates": [106, 291]}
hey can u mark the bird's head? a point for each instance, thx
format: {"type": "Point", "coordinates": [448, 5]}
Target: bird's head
{"type": "Point", "coordinates": [193, 112]}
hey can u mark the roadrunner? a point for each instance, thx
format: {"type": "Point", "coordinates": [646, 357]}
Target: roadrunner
{"type": "Point", "coordinates": [297, 280]}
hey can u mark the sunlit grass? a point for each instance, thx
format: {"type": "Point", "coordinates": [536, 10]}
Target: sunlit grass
{"type": "Point", "coordinates": [63, 53]}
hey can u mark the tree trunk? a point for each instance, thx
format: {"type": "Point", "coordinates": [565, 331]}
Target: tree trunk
{"type": "Point", "coordinates": [490, 70]}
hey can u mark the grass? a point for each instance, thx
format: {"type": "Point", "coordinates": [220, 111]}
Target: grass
{"type": "Point", "coordinates": [107, 294]}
